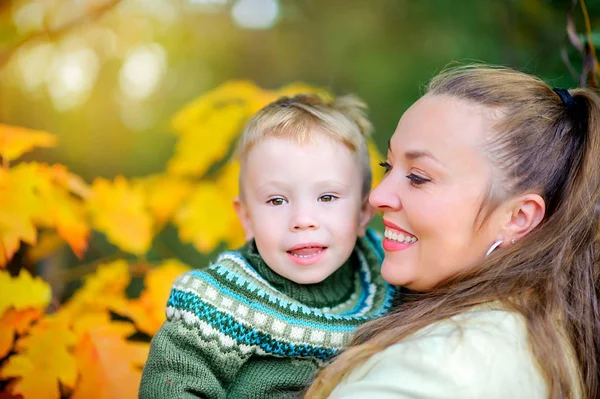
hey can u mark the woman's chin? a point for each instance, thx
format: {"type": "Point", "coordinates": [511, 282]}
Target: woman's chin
{"type": "Point", "coordinates": [395, 275]}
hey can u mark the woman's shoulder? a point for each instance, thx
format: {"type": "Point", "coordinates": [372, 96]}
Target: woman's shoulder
{"type": "Point", "coordinates": [480, 353]}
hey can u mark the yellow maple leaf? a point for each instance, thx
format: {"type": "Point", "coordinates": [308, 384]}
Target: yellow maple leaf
{"type": "Point", "coordinates": [15, 322]}
{"type": "Point", "coordinates": [23, 291]}
{"type": "Point", "coordinates": [101, 291]}
{"type": "Point", "coordinates": [164, 194]}
{"type": "Point", "coordinates": [375, 157]}
{"type": "Point", "coordinates": [210, 141]}
{"type": "Point", "coordinates": [194, 114]}
{"type": "Point", "coordinates": [43, 360]}
{"type": "Point", "coordinates": [110, 365]}
{"type": "Point", "coordinates": [207, 217]}
{"type": "Point", "coordinates": [295, 88]}
{"type": "Point", "coordinates": [14, 141]}
{"type": "Point", "coordinates": [119, 210]}
{"type": "Point", "coordinates": [148, 311]}
{"type": "Point", "coordinates": [66, 213]}
{"type": "Point", "coordinates": [209, 125]}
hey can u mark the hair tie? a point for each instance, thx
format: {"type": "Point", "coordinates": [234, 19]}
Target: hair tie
{"type": "Point", "coordinates": [565, 97]}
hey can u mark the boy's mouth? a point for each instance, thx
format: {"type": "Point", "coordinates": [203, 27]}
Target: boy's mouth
{"type": "Point", "coordinates": [306, 251]}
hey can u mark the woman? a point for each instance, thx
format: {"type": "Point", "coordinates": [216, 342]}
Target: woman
{"type": "Point", "coordinates": [490, 204]}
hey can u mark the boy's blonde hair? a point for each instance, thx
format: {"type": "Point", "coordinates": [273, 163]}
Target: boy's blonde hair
{"type": "Point", "coordinates": [300, 117]}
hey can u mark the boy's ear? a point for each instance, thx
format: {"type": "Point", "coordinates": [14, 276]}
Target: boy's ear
{"type": "Point", "coordinates": [242, 212]}
{"type": "Point", "coordinates": [366, 214]}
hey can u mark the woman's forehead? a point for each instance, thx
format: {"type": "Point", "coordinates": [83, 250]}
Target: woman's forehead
{"type": "Point", "coordinates": [442, 127]}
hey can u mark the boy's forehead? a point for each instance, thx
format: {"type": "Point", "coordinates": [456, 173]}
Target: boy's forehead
{"type": "Point", "coordinates": [274, 158]}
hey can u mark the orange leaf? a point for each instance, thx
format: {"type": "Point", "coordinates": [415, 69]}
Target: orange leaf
{"type": "Point", "coordinates": [148, 311]}
{"type": "Point", "coordinates": [20, 209]}
{"type": "Point", "coordinates": [70, 181]}
{"type": "Point", "coordinates": [15, 322]}
{"type": "Point", "coordinates": [43, 360]}
{"type": "Point", "coordinates": [14, 141]}
{"type": "Point", "coordinates": [110, 365]}
{"type": "Point", "coordinates": [119, 210]}
{"type": "Point", "coordinates": [31, 198]}
{"type": "Point", "coordinates": [23, 291]}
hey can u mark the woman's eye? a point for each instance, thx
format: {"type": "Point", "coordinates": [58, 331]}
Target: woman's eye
{"type": "Point", "coordinates": [276, 201]}
{"type": "Point", "coordinates": [327, 198]}
{"type": "Point", "coordinates": [417, 180]}
{"type": "Point", "coordinates": [386, 166]}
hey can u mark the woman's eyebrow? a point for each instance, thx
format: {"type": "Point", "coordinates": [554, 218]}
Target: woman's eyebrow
{"type": "Point", "coordinates": [415, 154]}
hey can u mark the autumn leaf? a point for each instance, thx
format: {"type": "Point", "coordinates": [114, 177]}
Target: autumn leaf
{"type": "Point", "coordinates": [164, 194]}
{"type": "Point", "coordinates": [15, 141]}
{"type": "Point", "coordinates": [148, 311]}
{"type": "Point", "coordinates": [208, 218]}
{"type": "Point", "coordinates": [110, 365]}
{"type": "Point", "coordinates": [15, 322]}
{"type": "Point", "coordinates": [296, 88]}
{"type": "Point", "coordinates": [101, 291]}
{"type": "Point", "coordinates": [20, 209]}
{"type": "Point", "coordinates": [66, 213]}
{"type": "Point", "coordinates": [31, 198]}
{"type": "Point", "coordinates": [209, 125]}
{"type": "Point", "coordinates": [69, 181]}
{"type": "Point", "coordinates": [23, 292]}
{"type": "Point", "coordinates": [196, 152]}
{"type": "Point", "coordinates": [195, 113]}
{"type": "Point", "coordinates": [375, 157]}
{"type": "Point", "coordinates": [42, 361]}
{"type": "Point", "coordinates": [119, 210]}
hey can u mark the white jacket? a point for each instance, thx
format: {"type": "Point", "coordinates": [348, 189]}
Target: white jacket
{"type": "Point", "coordinates": [482, 353]}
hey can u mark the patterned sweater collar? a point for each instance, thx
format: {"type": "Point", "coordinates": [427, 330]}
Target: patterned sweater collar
{"type": "Point", "coordinates": [334, 290]}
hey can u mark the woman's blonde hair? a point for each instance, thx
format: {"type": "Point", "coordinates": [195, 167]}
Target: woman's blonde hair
{"type": "Point", "coordinates": [550, 146]}
{"type": "Point", "coordinates": [303, 116]}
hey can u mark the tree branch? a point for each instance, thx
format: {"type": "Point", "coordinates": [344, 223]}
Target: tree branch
{"type": "Point", "coordinates": [94, 15]}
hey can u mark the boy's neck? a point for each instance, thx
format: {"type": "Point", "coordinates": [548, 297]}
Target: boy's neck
{"type": "Point", "coordinates": [334, 290]}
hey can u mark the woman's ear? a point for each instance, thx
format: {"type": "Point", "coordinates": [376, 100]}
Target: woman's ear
{"type": "Point", "coordinates": [244, 216]}
{"type": "Point", "coordinates": [525, 213]}
{"type": "Point", "coordinates": [366, 214]}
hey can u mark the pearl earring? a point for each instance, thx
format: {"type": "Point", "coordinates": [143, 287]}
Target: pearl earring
{"type": "Point", "coordinates": [494, 246]}
{"type": "Point", "coordinates": [513, 241]}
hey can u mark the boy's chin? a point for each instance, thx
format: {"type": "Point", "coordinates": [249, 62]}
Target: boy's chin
{"type": "Point", "coordinates": [311, 278]}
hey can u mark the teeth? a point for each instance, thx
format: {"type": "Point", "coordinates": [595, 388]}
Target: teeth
{"type": "Point", "coordinates": [306, 256]}
{"type": "Point", "coordinates": [392, 235]}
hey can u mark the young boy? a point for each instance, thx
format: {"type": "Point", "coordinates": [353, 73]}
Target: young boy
{"type": "Point", "coordinates": [259, 322]}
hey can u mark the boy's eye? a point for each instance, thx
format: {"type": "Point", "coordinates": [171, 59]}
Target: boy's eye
{"type": "Point", "coordinates": [276, 201]}
{"type": "Point", "coordinates": [416, 180]}
{"type": "Point", "coordinates": [327, 198]}
{"type": "Point", "coordinates": [385, 165]}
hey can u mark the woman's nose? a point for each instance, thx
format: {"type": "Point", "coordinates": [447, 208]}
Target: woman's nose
{"type": "Point", "coordinates": [385, 197]}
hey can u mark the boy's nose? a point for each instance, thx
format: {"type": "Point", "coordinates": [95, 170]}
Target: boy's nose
{"type": "Point", "coordinates": [304, 219]}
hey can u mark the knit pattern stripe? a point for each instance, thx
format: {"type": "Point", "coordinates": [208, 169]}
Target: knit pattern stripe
{"type": "Point", "coordinates": [231, 304]}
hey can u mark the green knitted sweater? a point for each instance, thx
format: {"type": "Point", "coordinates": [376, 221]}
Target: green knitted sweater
{"type": "Point", "coordinates": [238, 330]}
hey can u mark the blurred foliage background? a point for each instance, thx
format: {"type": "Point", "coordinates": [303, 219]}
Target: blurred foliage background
{"type": "Point", "coordinates": [107, 76]}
